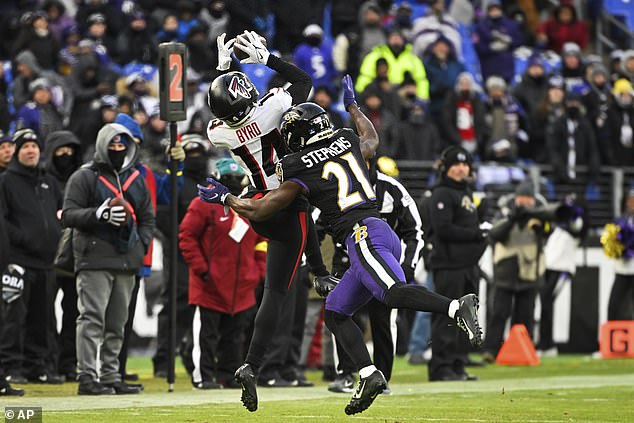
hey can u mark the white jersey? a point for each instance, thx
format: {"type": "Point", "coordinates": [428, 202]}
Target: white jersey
{"type": "Point", "coordinates": [256, 145]}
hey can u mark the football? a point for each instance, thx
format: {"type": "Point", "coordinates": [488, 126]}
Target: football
{"type": "Point", "coordinates": [241, 54]}
{"type": "Point", "coordinates": [126, 206]}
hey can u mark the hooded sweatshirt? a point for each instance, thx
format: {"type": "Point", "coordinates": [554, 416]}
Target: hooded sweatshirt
{"type": "Point", "coordinates": [53, 142]}
{"type": "Point", "coordinates": [99, 245]}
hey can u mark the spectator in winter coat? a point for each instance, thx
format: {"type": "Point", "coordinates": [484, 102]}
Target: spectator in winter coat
{"type": "Point", "coordinates": [40, 115]}
{"type": "Point", "coordinates": [533, 86]}
{"type": "Point", "coordinates": [99, 31]}
{"type": "Point", "coordinates": [627, 66]}
{"type": "Point", "coordinates": [550, 109]}
{"type": "Point", "coordinates": [111, 14]}
{"type": "Point", "coordinates": [7, 148]}
{"type": "Point", "coordinates": [573, 69]}
{"type": "Point", "coordinates": [291, 17]}
{"type": "Point", "coordinates": [314, 56]}
{"type": "Point", "coordinates": [37, 39]}
{"type": "Point", "coordinates": [386, 124]}
{"type": "Point", "coordinates": [137, 43]}
{"type": "Point", "coordinates": [442, 68]}
{"type": "Point", "coordinates": [434, 25]}
{"type": "Point", "coordinates": [169, 29]}
{"type": "Point", "coordinates": [389, 92]}
{"type": "Point", "coordinates": [246, 15]}
{"type": "Point", "coordinates": [401, 61]}
{"type": "Point", "coordinates": [463, 122]}
{"type": "Point", "coordinates": [597, 102]}
{"type": "Point", "coordinates": [621, 124]}
{"type": "Point", "coordinates": [563, 27]}
{"type": "Point", "coordinates": [32, 200]}
{"type": "Point", "coordinates": [58, 20]}
{"type": "Point", "coordinates": [494, 38]}
{"type": "Point", "coordinates": [571, 142]}
{"type": "Point", "coordinates": [419, 137]}
{"type": "Point", "coordinates": [216, 18]}
{"type": "Point", "coordinates": [227, 260]}
{"type": "Point", "coordinates": [109, 244]}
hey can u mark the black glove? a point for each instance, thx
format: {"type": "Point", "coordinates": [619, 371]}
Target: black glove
{"type": "Point", "coordinates": [324, 284]}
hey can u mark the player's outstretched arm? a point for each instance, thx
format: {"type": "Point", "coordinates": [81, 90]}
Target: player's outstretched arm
{"type": "Point", "coordinates": [255, 210]}
{"type": "Point", "coordinates": [369, 139]}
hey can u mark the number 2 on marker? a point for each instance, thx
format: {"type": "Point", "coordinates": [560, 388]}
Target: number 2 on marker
{"type": "Point", "coordinates": [176, 70]}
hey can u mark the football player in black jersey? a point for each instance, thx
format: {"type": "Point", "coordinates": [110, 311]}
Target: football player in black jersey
{"type": "Point", "coordinates": [329, 167]}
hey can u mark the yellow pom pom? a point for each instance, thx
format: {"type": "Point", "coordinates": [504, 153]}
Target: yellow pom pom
{"type": "Point", "coordinates": [609, 239]}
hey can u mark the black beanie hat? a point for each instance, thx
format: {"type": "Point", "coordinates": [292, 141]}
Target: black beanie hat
{"type": "Point", "coordinates": [22, 136]}
{"type": "Point", "coordinates": [454, 154]}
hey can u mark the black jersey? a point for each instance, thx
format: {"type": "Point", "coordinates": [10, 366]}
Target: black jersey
{"type": "Point", "coordinates": [334, 174]}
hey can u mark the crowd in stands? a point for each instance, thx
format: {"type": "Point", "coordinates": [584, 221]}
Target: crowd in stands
{"type": "Point", "coordinates": [510, 82]}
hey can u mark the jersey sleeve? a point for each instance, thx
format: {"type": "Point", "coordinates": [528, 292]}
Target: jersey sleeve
{"type": "Point", "coordinates": [288, 169]}
{"type": "Point", "coordinates": [279, 98]}
{"type": "Point", "coordinates": [216, 134]}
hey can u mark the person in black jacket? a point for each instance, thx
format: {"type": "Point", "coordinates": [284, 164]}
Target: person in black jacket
{"type": "Point", "coordinates": [5, 387]}
{"type": "Point", "coordinates": [458, 242]}
{"type": "Point", "coordinates": [32, 200]}
{"type": "Point", "coordinates": [7, 148]}
{"type": "Point", "coordinates": [61, 158]}
{"type": "Point", "coordinates": [400, 211]}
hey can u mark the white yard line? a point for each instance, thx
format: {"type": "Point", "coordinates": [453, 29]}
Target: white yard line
{"type": "Point", "coordinates": [62, 405]}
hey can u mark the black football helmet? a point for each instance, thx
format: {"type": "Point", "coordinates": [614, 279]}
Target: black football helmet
{"type": "Point", "coordinates": [232, 97]}
{"type": "Point", "coordinates": [304, 124]}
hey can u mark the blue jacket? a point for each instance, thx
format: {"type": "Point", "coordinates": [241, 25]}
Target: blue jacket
{"type": "Point", "coordinates": [317, 62]}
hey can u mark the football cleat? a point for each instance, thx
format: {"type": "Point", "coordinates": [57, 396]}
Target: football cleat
{"type": "Point", "coordinates": [248, 381]}
{"type": "Point", "coordinates": [467, 318]}
{"type": "Point", "coordinates": [367, 390]}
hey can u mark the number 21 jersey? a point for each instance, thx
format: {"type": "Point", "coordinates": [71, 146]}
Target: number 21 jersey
{"type": "Point", "coordinates": [334, 174]}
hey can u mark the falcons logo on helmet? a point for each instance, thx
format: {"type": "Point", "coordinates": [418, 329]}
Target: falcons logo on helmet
{"type": "Point", "coordinates": [239, 87]}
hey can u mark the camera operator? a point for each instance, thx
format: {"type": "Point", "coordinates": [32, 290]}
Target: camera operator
{"type": "Point", "coordinates": [518, 264]}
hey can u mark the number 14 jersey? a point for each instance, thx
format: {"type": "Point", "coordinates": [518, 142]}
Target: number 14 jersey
{"type": "Point", "coordinates": [334, 174]}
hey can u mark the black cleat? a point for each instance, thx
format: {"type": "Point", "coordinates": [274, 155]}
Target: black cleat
{"type": "Point", "coordinates": [367, 390]}
{"type": "Point", "coordinates": [467, 318]}
{"type": "Point", "coordinates": [248, 381]}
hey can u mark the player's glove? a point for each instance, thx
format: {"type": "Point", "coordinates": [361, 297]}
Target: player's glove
{"type": "Point", "coordinates": [324, 284]}
{"type": "Point", "coordinates": [114, 215]}
{"type": "Point", "coordinates": [215, 194]}
{"type": "Point", "coordinates": [348, 92]}
{"type": "Point", "coordinates": [251, 44]}
{"type": "Point", "coordinates": [224, 52]}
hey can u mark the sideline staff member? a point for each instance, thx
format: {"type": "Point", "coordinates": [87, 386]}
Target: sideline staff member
{"type": "Point", "coordinates": [458, 243]}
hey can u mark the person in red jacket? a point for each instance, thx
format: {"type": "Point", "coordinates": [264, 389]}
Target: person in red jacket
{"type": "Point", "coordinates": [563, 27]}
{"type": "Point", "coordinates": [226, 260]}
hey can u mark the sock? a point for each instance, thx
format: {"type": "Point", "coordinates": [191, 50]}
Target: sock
{"type": "Point", "coordinates": [453, 307]}
{"type": "Point", "coordinates": [367, 371]}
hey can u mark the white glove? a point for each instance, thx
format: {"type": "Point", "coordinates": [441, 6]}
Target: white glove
{"type": "Point", "coordinates": [251, 44]}
{"type": "Point", "coordinates": [114, 215]}
{"type": "Point", "coordinates": [224, 52]}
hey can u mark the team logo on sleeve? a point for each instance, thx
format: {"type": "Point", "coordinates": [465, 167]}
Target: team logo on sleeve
{"type": "Point", "coordinates": [279, 171]}
{"type": "Point", "coordinates": [239, 87]}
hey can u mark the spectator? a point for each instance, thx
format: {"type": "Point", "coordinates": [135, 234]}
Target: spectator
{"type": "Point", "coordinates": [463, 117]}
{"type": "Point", "coordinates": [88, 9]}
{"type": "Point", "coordinates": [169, 30]}
{"type": "Point", "coordinates": [442, 68]}
{"type": "Point", "coordinates": [620, 122]}
{"type": "Point", "coordinates": [32, 200]}
{"type": "Point", "coordinates": [505, 123]}
{"type": "Point", "coordinates": [108, 252]}
{"type": "Point", "coordinates": [533, 86]}
{"type": "Point", "coordinates": [616, 60]}
{"type": "Point", "coordinates": [344, 15]}
{"type": "Point", "coordinates": [314, 56]}
{"type": "Point", "coordinates": [563, 27]}
{"type": "Point", "coordinates": [213, 248]}
{"type": "Point", "coordinates": [403, 19]}
{"type": "Point", "coordinates": [246, 15]}
{"type": "Point", "coordinates": [419, 137]}
{"type": "Point", "coordinates": [137, 43]}
{"type": "Point", "coordinates": [155, 137]}
{"type": "Point", "coordinates": [572, 68]}
{"type": "Point", "coordinates": [627, 66]}
{"type": "Point", "coordinates": [59, 22]}
{"type": "Point", "coordinates": [390, 97]}
{"type": "Point", "coordinates": [98, 113]}
{"type": "Point", "coordinates": [518, 265]}
{"type": "Point", "coordinates": [186, 18]}
{"type": "Point", "coordinates": [597, 102]}
{"type": "Point", "coordinates": [435, 24]}
{"type": "Point", "coordinates": [216, 18]}
{"type": "Point", "coordinates": [99, 32]}
{"type": "Point", "coordinates": [7, 148]}
{"type": "Point", "coordinates": [550, 109]}
{"type": "Point", "coordinates": [37, 39]}
{"type": "Point", "coordinates": [495, 37]}
{"type": "Point", "coordinates": [197, 160]}
{"type": "Point", "coordinates": [291, 17]}
{"type": "Point", "coordinates": [571, 142]}
{"type": "Point", "coordinates": [458, 243]}
{"type": "Point", "coordinates": [62, 157]}
{"type": "Point", "coordinates": [385, 123]}
{"type": "Point", "coordinates": [400, 60]}
{"type": "Point", "coordinates": [202, 57]}
{"type": "Point", "coordinates": [371, 32]}
{"type": "Point", "coordinates": [324, 97]}
{"type": "Point", "coordinates": [40, 115]}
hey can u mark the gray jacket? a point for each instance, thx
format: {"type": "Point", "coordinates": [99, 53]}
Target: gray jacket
{"type": "Point", "coordinates": [98, 245]}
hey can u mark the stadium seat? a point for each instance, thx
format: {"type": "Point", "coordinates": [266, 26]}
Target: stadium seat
{"type": "Point", "coordinates": [623, 8]}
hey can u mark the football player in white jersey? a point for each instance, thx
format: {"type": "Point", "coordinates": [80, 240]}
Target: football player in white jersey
{"type": "Point", "coordinates": [249, 128]}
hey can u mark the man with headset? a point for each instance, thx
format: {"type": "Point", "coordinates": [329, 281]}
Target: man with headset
{"type": "Point", "coordinates": [458, 242]}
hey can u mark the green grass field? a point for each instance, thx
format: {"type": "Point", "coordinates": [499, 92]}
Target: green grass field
{"type": "Point", "coordinates": [562, 389]}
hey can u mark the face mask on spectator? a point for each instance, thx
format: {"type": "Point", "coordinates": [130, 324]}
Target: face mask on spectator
{"type": "Point", "coordinates": [465, 94]}
{"type": "Point", "coordinates": [573, 112]}
{"type": "Point", "coordinates": [64, 164]}
{"type": "Point", "coordinates": [117, 158]}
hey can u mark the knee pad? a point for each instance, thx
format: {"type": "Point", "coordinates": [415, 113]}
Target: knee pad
{"type": "Point", "coordinates": [394, 295]}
